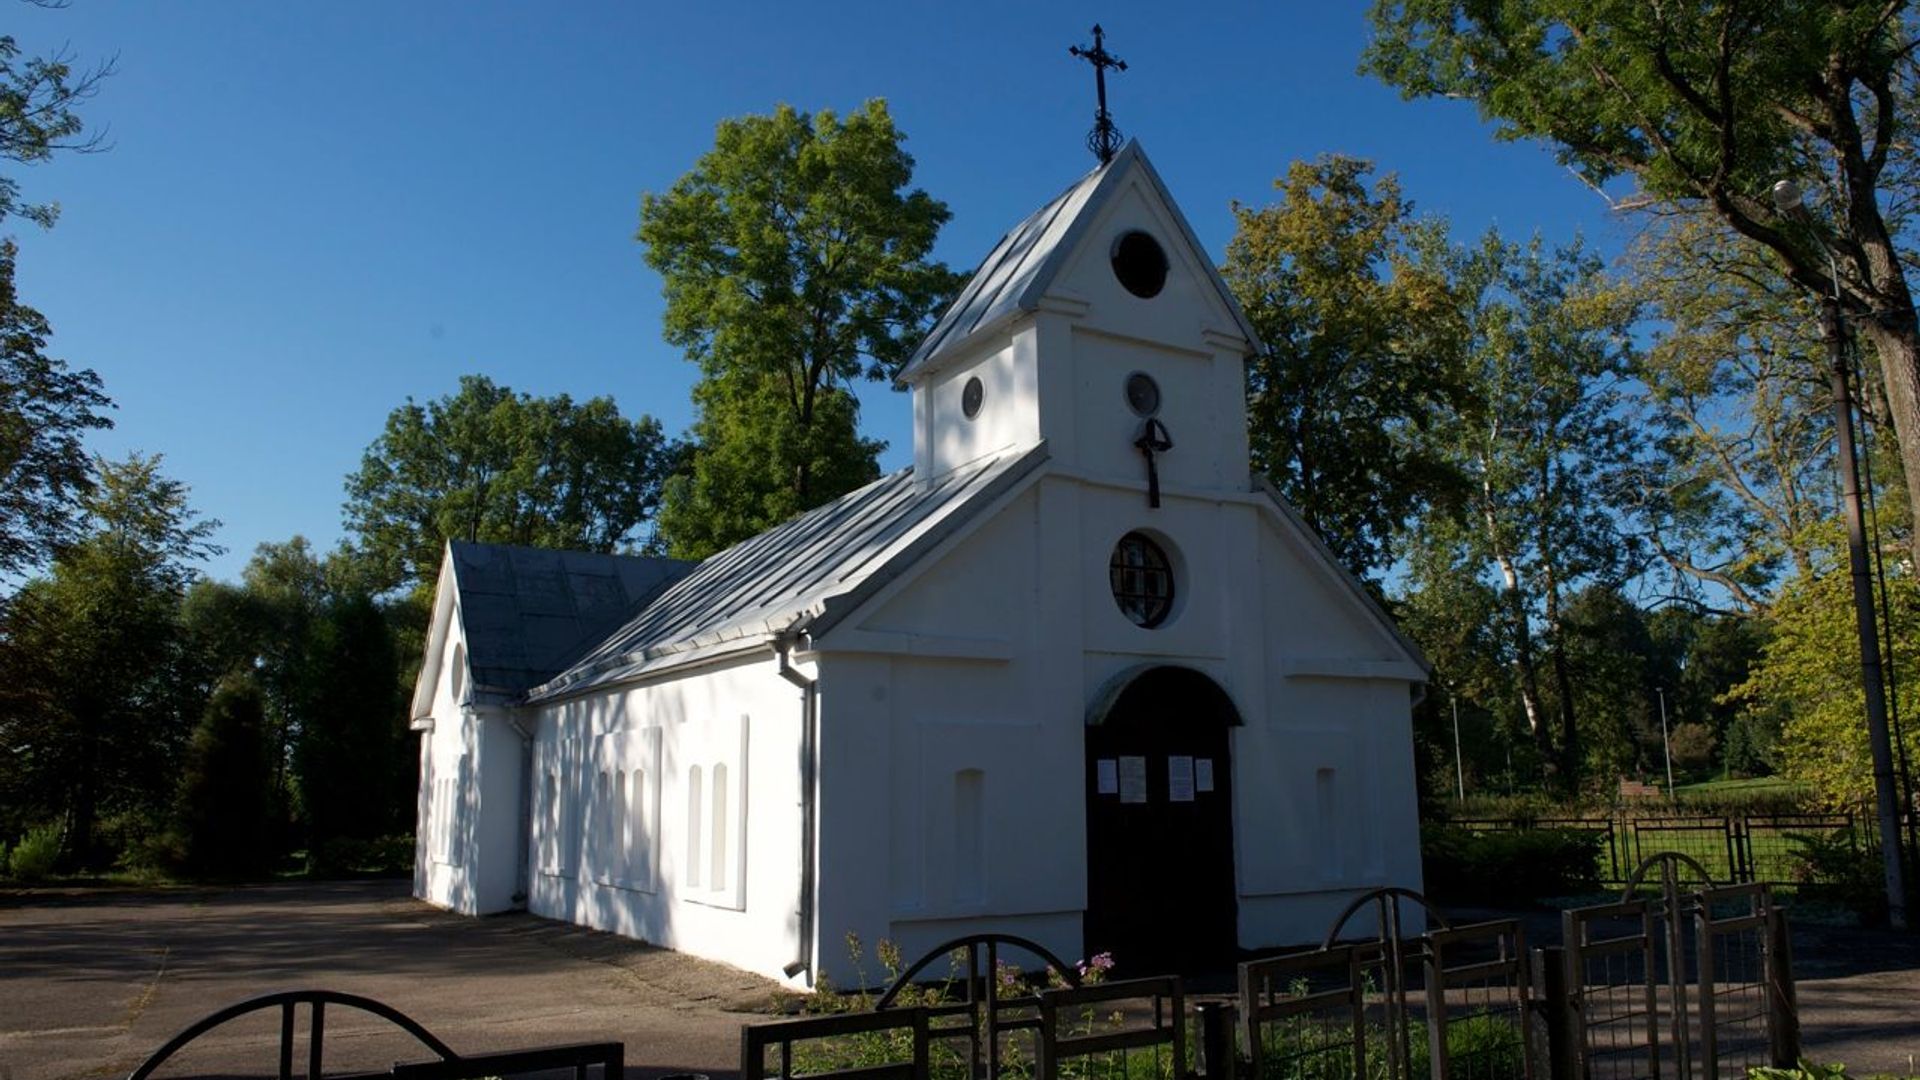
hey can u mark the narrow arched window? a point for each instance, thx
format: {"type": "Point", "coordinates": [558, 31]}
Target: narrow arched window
{"type": "Point", "coordinates": [696, 851]}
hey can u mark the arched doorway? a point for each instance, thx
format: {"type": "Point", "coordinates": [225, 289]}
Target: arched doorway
{"type": "Point", "coordinates": [1161, 893]}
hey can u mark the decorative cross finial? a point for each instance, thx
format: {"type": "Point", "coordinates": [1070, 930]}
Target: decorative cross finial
{"type": "Point", "coordinates": [1104, 139]}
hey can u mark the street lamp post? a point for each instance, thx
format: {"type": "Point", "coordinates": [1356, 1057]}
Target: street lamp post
{"type": "Point", "coordinates": [1787, 197]}
{"type": "Point", "coordinates": [1459, 770]}
{"type": "Point", "coordinates": [1665, 743]}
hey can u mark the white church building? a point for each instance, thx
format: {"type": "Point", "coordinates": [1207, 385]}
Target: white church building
{"type": "Point", "coordinates": [1073, 675]}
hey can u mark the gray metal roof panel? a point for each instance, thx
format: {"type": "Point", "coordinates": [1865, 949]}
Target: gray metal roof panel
{"type": "Point", "coordinates": [819, 563]}
{"type": "Point", "coordinates": [527, 612]}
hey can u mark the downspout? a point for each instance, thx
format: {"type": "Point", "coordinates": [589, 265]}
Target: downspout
{"type": "Point", "coordinates": [522, 882]}
{"type": "Point", "coordinates": [809, 715]}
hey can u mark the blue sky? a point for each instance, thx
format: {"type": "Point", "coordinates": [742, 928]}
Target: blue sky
{"type": "Point", "coordinates": [310, 212]}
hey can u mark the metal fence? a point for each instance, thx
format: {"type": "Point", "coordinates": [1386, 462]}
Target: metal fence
{"type": "Point", "coordinates": [581, 1061]}
{"type": "Point", "coordinates": [1695, 981]}
{"type": "Point", "coordinates": [1735, 848]}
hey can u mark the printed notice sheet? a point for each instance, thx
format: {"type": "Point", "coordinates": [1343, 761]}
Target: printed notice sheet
{"type": "Point", "coordinates": [1133, 779]}
{"type": "Point", "coordinates": [1203, 774]}
{"type": "Point", "coordinates": [1109, 775]}
{"type": "Point", "coordinates": [1179, 779]}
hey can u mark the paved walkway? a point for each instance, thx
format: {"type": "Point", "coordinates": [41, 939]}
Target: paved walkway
{"type": "Point", "coordinates": [92, 983]}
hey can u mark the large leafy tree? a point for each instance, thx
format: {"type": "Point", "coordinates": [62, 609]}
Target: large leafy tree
{"type": "Point", "coordinates": [92, 713]}
{"type": "Point", "coordinates": [489, 464]}
{"type": "Point", "coordinates": [1803, 680]}
{"type": "Point", "coordinates": [1543, 351]}
{"type": "Point", "coordinates": [1738, 473]}
{"type": "Point", "coordinates": [1704, 105]}
{"type": "Point", "coordinates": [795, 259]}
{"type": "Point", "coordinates": [45, 411]}
{"type": "Point", "coordinates": [1339, 281]}
{"type": "Point", "coordinates": [37, 99]}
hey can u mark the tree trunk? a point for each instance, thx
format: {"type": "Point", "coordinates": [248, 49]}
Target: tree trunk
{"type": "Point", "coordinates": [1523, 664]}
{"type": "Point", "coordinates": [1894, 339]}
{"type": "Point", "coordinates": [1563, 685]}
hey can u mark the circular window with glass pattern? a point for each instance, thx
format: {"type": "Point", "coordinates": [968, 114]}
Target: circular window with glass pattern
{"type": "Point", "coordinates": [1141, 577]}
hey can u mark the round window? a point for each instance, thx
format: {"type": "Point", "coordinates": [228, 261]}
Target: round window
{"type": "Point", "coordinates": [1141, 576]}
{"type": "Point", "coordinates": [1140, 264]}
{"type": "Point", "coordinates": [971, 396]}
{"type": "Point", "coordinates": [1143, 394]}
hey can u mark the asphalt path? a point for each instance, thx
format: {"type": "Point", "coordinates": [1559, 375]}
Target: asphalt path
{"type": "Point", "coordinates": [92, 982]}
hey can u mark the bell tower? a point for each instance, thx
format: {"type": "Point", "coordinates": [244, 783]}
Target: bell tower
{"type": "Point", "coordinates": [1099, 326]}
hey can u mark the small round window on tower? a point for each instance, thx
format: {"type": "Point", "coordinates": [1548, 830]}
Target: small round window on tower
{"type": "Point", "coordinates": [1143, 394]}
{"type": "Point", "coordinates": [971, 396]}
{"type": "Point", "coordinates": [1140, 264]}
{"type": "Point", "coordinates": [1141, 576]}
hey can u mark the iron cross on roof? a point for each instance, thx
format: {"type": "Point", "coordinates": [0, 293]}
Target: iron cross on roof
{"type": "Point", "coordinates": [1104, 139]}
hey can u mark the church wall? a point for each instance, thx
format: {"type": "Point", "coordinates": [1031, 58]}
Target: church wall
{"type": "Point", "coordinates": [1008, 413]}
{"type": "Point", "coordinates": [985, 817]}
{"type": "Point", "coordinates": [706, 858]}
{"type": "Point", "coordinates": [444, 828]}
{"type": "Point", "coordinates": [496, 787]}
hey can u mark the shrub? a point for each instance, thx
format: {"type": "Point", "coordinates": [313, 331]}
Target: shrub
{"type": "Point", "coordinates": [1467, 866]}
{"type": "Point", "coordinates": [34, 856]}
{"type": "Point", "coordinates": [1838, 871]}
{"type": "Point", "coordinates": [383, 856]}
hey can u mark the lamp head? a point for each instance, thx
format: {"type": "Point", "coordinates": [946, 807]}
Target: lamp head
{"type": "Point", "coordinates": [1787, 197]}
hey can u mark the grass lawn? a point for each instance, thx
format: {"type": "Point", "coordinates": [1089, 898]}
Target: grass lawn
{"type": "Point", "coordinates": [1750, 786]}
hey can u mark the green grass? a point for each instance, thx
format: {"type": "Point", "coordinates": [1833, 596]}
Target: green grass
{"type": "Point", "coordinates": [1748, 785]}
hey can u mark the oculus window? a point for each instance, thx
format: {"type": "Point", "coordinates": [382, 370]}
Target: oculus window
{"type": "Point", "coordinates": [970, 397]}
{"type": "Point", "coordinates": [1141, 576]}
{"type": "Point", "coordinates": [1140, 263]}
{"type": "Point", "coordinates": [1143, 394]}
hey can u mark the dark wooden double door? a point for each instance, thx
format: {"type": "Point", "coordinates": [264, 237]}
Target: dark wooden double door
{"type": "Point", "coordinates": [1161, 889]}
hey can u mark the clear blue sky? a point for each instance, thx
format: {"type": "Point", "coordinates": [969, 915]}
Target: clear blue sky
{"type": "Point", "coordinates": [310, 212]}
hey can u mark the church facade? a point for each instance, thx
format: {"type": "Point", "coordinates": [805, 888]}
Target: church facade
{"type": "Point", "coordinates": [1074, 675]}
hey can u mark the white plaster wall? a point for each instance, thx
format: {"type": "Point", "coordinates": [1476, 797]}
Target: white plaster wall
{"type": "Point", "coordinates": [493, 842]}
{"type": "Point", "coordinates": [752, 924]}
{"type": "Point", "coordinates": [1027, 593]}
{"type": "Point", "coordinates": [444, 828]}
{"type": "Point", "coordinates": [1009, 411]}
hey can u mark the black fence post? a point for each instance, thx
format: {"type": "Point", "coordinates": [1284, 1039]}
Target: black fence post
{"type": "Point", "coordinates": [1553, 1007]}
{"type": "Point", "coordinates": [1783, 1009]}
{"type": "Point", "coordinates": [1218, 1056]}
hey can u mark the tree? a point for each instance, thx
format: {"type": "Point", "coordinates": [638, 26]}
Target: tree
{"type": "Point", "coordinates": [795, 261]}
{"type": "Point", "coordinates": [1542, 352]}
{"type": "Point", "coordinates": [45, 409]}
{"type": "Point", "coordinates": [487, 464]}
{"type": "Point", "coordinates": [1740, 460]}
{"type": "Point", "coordinates": [1813, 688]}
{"type": "Point", "coordinates": [743, 444]}
{"type": "Point", "coordinates": [1705, 106]}
{"type": "Point", "coordinates": [224, 805]}
{"type": "Point", "coordinates": [97, 645]}
{"type": "Point", "coordinates": [1337, 280]}
{"type": "Point", "coordinates": [37, 97]}
{"type": "Point", "coordinates": [349, 752]}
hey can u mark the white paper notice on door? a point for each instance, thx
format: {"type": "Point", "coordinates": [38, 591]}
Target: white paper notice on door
{"type": "Point", "coordinates": [1179, 779]}
{"type": "Point", "coordinates": [1108, 772]}
{"type": "Point", "coordinates": [1203, 774]}
{"type": "Point", "coordinates": [1133, 779]}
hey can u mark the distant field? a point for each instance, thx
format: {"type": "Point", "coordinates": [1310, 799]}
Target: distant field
{"type": "Point", "coordinates": [1751, 786]}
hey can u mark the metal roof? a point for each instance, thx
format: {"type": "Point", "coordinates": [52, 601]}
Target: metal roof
{"type": "Point", "coordinates": [528, 613]}
{"type": "Point", "coordinates": [1022, 266]}
{"type": "Point", "coordinates": [804, 574]}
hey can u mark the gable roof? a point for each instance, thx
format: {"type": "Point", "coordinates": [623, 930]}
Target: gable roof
{"type": "Point", "coordinates": [1018, 271]}
{"type": "Point", "coordinates": [804, 574]}
{"type": "Point", "coordinates": [529, 612]}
